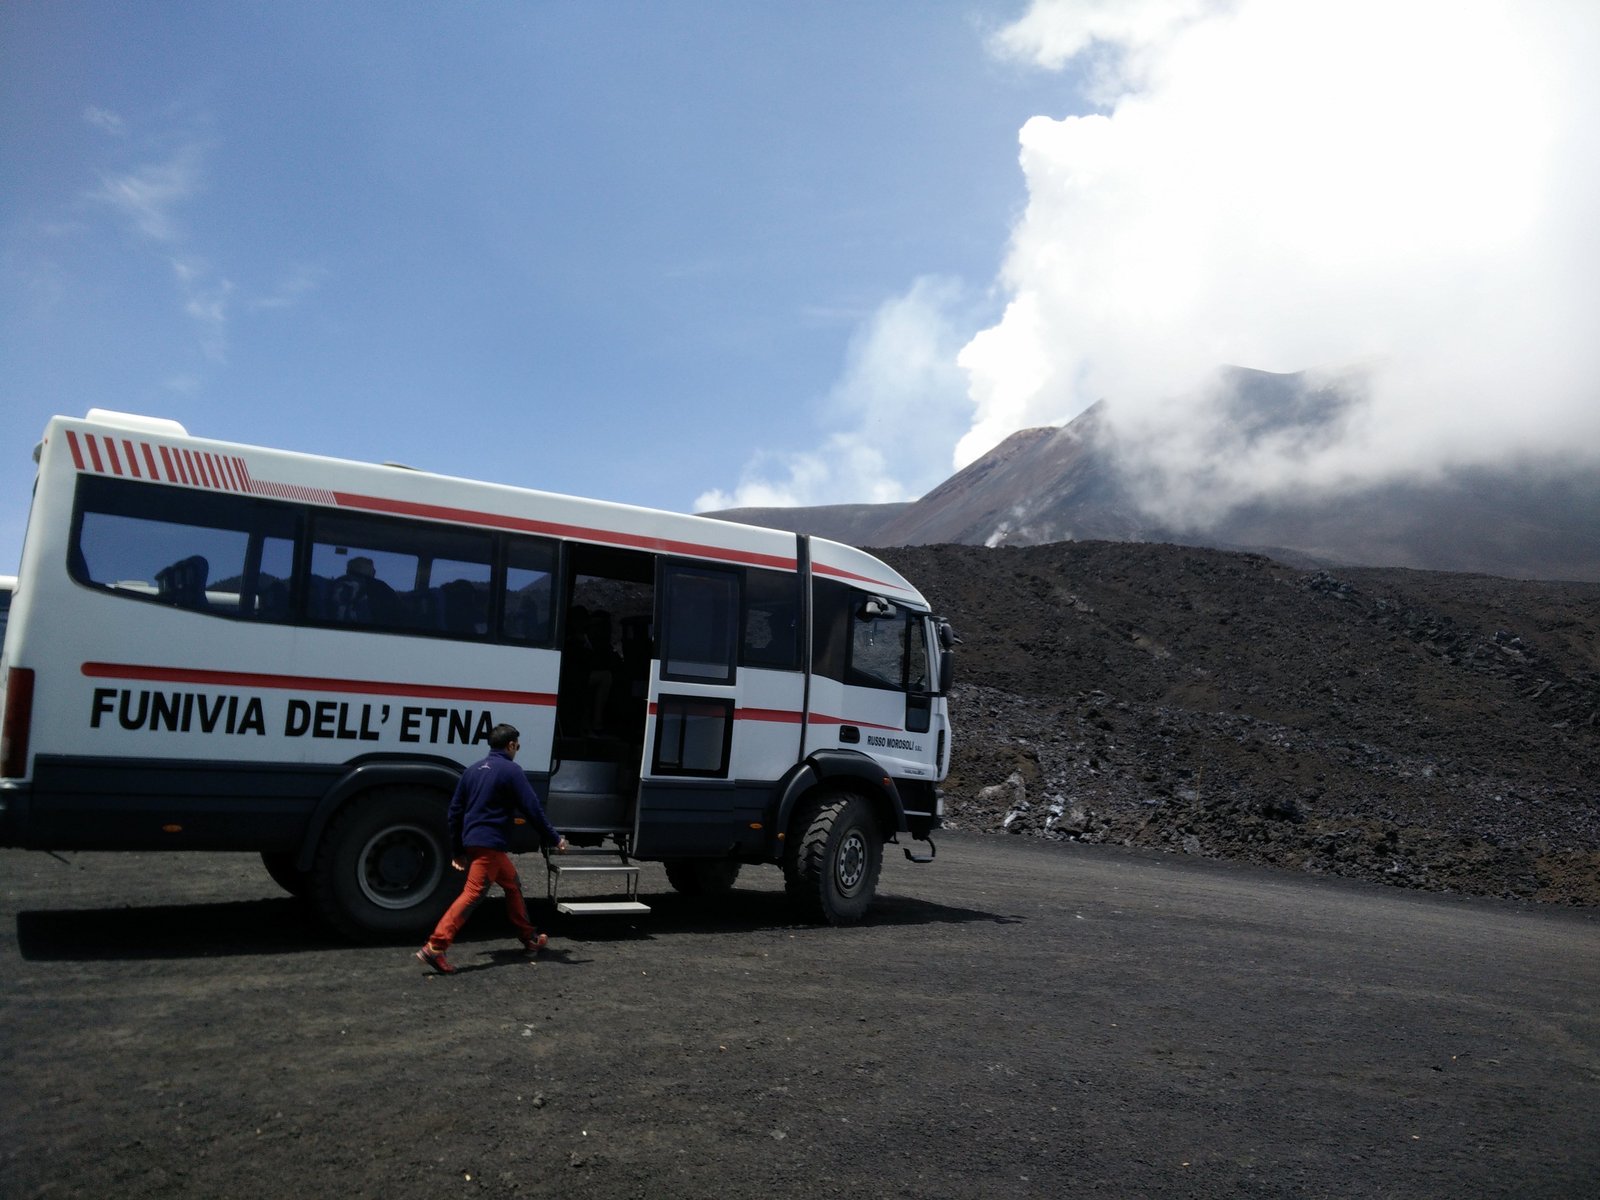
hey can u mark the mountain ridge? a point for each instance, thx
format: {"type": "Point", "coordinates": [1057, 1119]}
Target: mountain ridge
{"type": "Point", "coordinates": [1068, 483]}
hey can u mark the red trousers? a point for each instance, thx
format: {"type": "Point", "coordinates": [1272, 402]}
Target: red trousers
{"type": "Point", "coordinates": [486, 867]}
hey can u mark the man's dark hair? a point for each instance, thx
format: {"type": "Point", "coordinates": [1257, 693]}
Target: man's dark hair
{"type": "Point", "coordinates": [502, 736]}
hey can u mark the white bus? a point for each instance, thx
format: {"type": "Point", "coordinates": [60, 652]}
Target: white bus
{"type": "Point", "coordinates": [225, 647]}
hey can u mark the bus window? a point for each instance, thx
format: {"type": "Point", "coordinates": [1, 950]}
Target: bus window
{"type": "Point", "coordinates": [172, 547]}
{"type": "Point", "coordinates": [529, 600]}
{"type": "Point", "coordinates": [830, 622]}
{"type": "Point", "coordinates": [919, 691]}
{"type": "Point", "coordinates": [878, 651]}
{"type": "Point", "coordinates": [693, 736]}
{"type": "Point", "coordinates": [380, 574]}
{"type": "Point", "coordinates": [771, 615]}
{"type": "Point", "coordinates": [700, 622]}
{"type": "Point", "coordinates": [274, 580]}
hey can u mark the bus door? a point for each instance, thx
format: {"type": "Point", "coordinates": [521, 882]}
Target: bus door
{"type": "Point", "coordinates": [873, 689]}
{"type": "Point", "coordinates": [718, 732]}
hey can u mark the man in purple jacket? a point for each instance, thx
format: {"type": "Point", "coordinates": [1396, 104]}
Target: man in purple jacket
{"type": "Point", "coordinates": [491, 795]}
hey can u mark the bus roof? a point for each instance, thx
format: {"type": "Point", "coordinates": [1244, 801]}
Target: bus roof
{"type": "Point", "coordinates": [155, 449]}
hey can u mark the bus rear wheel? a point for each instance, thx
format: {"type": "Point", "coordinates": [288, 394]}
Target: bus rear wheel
{"type": "Point", "coordinates": [834, 854]}
{"type": "Point", "coordinates": [383, 869]}
{"type": "Point", "coordinates": [280, 865]}
{"type": "Point", "coordinates": [701, 876]}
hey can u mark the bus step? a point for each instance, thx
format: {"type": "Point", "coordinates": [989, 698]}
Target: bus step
{"type": "Point", "coordinates": [578, 908]}
{"type": "Point", "coordinates": [617, 867]}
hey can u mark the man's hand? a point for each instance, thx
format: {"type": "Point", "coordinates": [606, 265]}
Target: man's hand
{"type": "Point", "coordinates": [561, 846]}
{"type": "Point", "coordinates": [458, 864]}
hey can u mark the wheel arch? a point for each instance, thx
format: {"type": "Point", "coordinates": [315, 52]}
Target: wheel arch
{"type": "Point", "coordinates": [848, 770]}
{"type": "Point", "coordinates": [364, 777]}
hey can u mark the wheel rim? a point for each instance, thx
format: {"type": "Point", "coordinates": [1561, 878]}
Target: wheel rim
{"type": "Point", "coordinates": [850, 867]}
{"type": "Point", "coordinates": [399, 866]}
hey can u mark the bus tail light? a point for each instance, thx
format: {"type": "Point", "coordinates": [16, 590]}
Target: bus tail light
{"type": "Point", "coordinates": [19, 716]}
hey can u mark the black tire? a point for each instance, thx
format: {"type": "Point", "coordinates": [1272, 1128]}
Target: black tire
{"type": "Point", "coordinates": [383, 868]}
{"type": "Point", "coordinates": [701, 876]}
{"type": "Point", "coordinates": [280, 865]}
{"type": "Point", "coordinates": [835, 851]}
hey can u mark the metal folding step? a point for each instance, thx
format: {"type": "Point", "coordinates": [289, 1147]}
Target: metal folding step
{"type": "Point", "coordinates": [573, 865]}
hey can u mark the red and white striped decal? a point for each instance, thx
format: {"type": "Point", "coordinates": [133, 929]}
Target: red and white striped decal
{"type": "Point", "coordinates": [106, 454]}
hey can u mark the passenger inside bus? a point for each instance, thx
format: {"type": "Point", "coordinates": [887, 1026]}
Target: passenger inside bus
{"type": "Point", "coordinates": [361, 598]}
{"type": "Point", "coordinates": [464, 607]}
{"type": "Point", "coordinates": [590, 669]}
{"type": "Point", "coordinates": [184, 582]}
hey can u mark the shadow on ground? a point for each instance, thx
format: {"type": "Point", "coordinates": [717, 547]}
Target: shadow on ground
{"type": "Point", "coordinates": [287, 926]}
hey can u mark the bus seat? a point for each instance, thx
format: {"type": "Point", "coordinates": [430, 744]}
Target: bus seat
{"type": "Point", "coordinates": [460, 603]}
{"type": "Point", "coordinates": [272, 600]}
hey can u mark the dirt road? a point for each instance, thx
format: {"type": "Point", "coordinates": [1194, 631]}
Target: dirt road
{"type": "Point", "coordinates": [1020, 1019]}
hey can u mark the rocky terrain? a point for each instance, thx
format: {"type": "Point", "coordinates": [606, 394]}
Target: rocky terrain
{"type": "Point", "coordinates": [1423, 729]}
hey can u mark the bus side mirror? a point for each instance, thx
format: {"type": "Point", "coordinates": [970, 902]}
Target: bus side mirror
{"type": "Point", "coordinates": [947, 659]}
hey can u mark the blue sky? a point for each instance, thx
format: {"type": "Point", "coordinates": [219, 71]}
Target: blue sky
{"type": "Point", "coordinates": [697, 254]}
{"type": "Point", "coordinates": [614, 249]}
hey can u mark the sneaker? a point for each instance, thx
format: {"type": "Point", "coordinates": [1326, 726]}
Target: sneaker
{"type": "Point", "coordinates": [429, 957]}
{"type": "Point", "coordinates": [536, 943]}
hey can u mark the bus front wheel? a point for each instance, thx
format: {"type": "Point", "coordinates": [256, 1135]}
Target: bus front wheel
{"type": "Point", "coordinates": [834, 853]}
{"type": "Point", "coordinates": [383, 869]}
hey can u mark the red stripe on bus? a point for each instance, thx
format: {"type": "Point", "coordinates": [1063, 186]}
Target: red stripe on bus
{"type": "Point", "coordinates": [214, 469]}
{"type": "Point", "coordinates": [133, 459]}
{"type": "Point", "coordinates": [310, 683]}
{"type": "Point", "coordinates": [150, 460]}
{"type": "Point", "coordinates": [94, 452]}
{"type": "Point", "coordinates": [166, 457]}
{"type": "Point", "coordinates": [840, 573]}
{"type": "Point", "coordinates": [824, 719]}
{"type": "Point", "coordinates": [77, 454]}
{"type": "Point", "coordinates": [111, 454]}
{"type": "Point", "coordinates": [782, 716]}
{"type": "Point", "coordinates": [467, 516]}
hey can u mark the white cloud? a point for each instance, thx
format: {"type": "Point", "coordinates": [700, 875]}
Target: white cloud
{"type": "Point", "coordinates": [298, 283]}
{"type": "Point", "coordinates": [1406, 187]}
{"type": "Point", "coordinates": [206, 297]}
{"type": "Point", "coordinates": [899, 406]}
{"type": "Point", "coordinates": [148, 196]}
{"type": "Point", "coordinates": [105, 120]}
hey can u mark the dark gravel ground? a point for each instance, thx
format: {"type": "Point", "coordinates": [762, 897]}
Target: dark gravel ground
{"type": "Point", "coordinates": [1096, 989]}
{"type": "Point", "coordinates": [1020, 1018]}
{"type": "Point", "coordinates": [1425, 729]}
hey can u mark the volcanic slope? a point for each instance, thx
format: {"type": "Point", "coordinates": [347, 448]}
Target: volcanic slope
{"type": "Point", "coordinates": [1425, 729]}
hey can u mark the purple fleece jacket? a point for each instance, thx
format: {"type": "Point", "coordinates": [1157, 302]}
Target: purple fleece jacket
{"type": "Point", "coordinates": [492, 793]}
